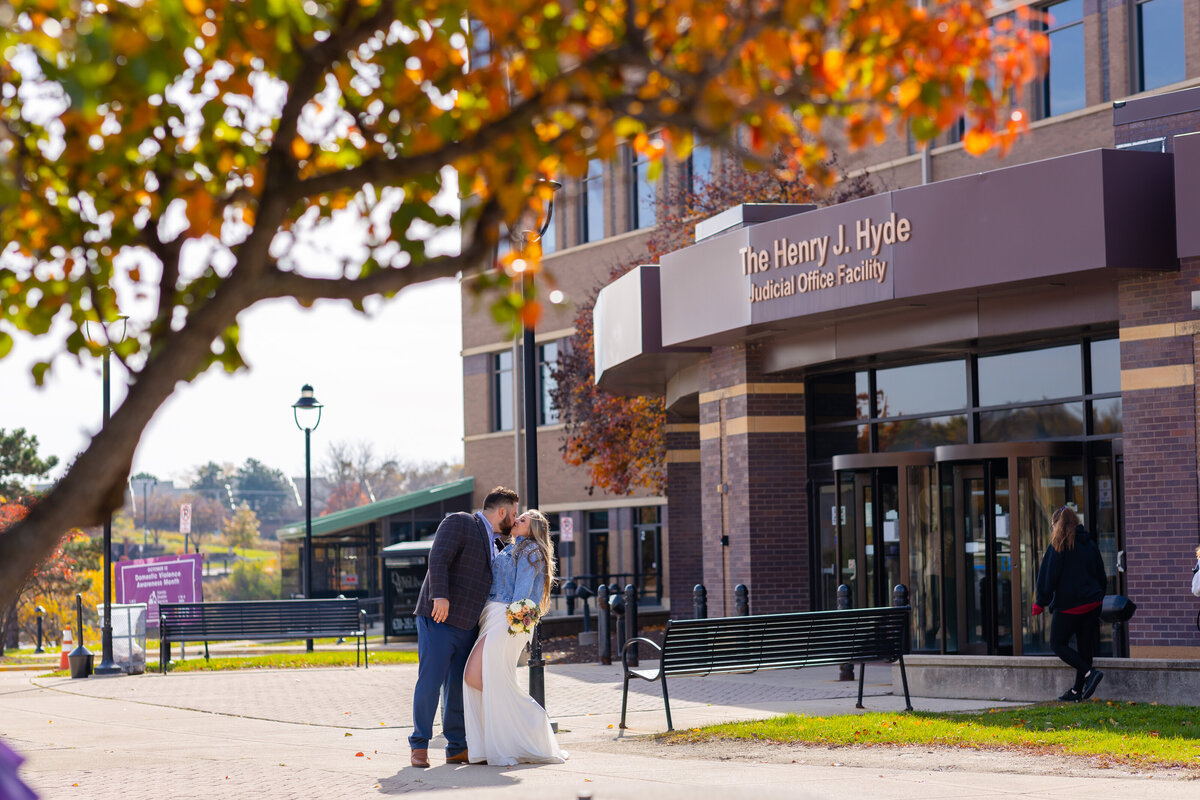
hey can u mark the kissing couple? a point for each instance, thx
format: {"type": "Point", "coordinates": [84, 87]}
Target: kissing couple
{"type": "Point", "coordinates": [467, 653]}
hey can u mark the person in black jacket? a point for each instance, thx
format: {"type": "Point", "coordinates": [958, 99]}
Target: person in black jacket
{"type": "Point", "coordinates": [1071, 583]}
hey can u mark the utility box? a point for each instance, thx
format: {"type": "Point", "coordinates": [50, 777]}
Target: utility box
{"type": "Point", "coordinates": [128, 636]}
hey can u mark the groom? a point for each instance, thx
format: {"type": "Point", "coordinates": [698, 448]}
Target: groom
{"type": "Point", "coordinates": [452, 597]}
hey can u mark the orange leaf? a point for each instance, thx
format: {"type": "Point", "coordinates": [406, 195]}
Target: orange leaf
{"type": "Point", "coordinates": [977, 142]}
{"type": "Point", "coordinates": [300, 149]}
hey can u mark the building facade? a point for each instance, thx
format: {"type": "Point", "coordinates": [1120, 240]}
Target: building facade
{"type": "Point", "coordinates": [1117, 77]}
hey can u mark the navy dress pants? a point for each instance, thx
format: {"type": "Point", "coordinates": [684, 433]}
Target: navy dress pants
{"type": "Point", "coordinates": [442, 652]}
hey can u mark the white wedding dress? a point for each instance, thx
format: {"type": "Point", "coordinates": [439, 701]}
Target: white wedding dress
{"type": "Point", "coordinates": [505, 726]}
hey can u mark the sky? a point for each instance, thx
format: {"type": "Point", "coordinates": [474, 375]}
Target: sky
{"type": "Point", "coordinates": [392, 378]}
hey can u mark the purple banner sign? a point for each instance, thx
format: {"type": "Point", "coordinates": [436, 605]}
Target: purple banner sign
{"type": "Point", "coordinates": [166, 579]}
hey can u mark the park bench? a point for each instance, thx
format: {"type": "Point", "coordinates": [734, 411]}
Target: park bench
{"type": "Point", "coordinates": [726, 645]}
{"type": "Point", "coordinates": [260, 619]}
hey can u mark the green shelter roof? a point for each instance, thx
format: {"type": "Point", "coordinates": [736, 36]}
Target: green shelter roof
{"type": "Point", "coordinates": [348, 518]}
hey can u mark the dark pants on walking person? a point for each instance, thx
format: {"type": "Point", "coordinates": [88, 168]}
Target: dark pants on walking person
{"type": "Point", "coordinates": [442, 652]}
{"type": "Point", "coordinates": [1086, 630]}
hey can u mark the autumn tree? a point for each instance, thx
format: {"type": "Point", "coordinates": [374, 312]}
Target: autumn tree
{"type": "Point", "coordinates": [358, 476]}
{"type": "Point", "coordinates": [53, 583]}
{"type": "Point", "coordinates": [621, 440]}
{"type": "Point", "coordinates": [241, 529]}
{"type": "Point", "coordinates": [19, 461]}
{"type": "Point", "coordinates": [174, 161]}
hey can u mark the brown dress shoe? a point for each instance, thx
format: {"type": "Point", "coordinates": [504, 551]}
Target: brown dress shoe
{"type": "Point", "coordinates": [420, 758]}
{"type": "Point", "coordinates": [460, 758]}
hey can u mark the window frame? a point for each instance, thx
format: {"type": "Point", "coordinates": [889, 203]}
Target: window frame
{"type": "Point", "coordinates": [1043, 107]}
{"type": "Point", "coordinates": [586, 183]}
{"type": "Point", "coordinates": [634, 186]}
{"type": "Point", "coordinates": [1137, 65]}
{"type": "Point", "coordinates": [500, 419]}
{"type": "Point", "coordinates": [548, 413]}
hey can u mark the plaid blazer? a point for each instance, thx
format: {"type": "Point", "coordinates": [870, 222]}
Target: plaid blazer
{"type": "Point", "coordinates": [460, 569]}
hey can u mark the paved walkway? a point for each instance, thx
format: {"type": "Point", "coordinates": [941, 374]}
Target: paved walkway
{"type": "Point", "coordinates": [342, 733]}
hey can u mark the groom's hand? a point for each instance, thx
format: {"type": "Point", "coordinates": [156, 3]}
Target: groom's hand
{"type": "Point", "coordinates": [441, 609]}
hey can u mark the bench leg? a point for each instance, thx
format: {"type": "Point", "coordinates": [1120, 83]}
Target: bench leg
{"type": "Point", "coordinates": [164, 655]}
{"type": "Point", "coordinates": [667, 703]}
{"type": "Point", "coordinates": [862, 674]}
{"type": "Point", "coordinates": [624, 700]}
{"type": "Point", "coordinates": [904, 680]}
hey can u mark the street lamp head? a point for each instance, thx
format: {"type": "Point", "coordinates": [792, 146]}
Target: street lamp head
{"type": "Point", "coordinates": [106, 334]}
{"type": "Point", "coordinates": [554, 187]}
{"type": "Point", "coordinates": [307, 406]}
{"type": "Point", "coordinates": [41, 609]}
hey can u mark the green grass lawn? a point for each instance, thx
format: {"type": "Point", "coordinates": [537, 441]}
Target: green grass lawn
{"type": "Point", "coordinates": [1112, 732]}
{"type": "Point", "coordinates": [273, 661]}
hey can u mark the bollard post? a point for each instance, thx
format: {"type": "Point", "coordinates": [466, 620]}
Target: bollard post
{"type": "Point", "coordinates": [40, 612]}
{"type": "Point", "coordinates": [583, 593]}
{"type": "Point", "coordinates": [699, 602]}
{"type": "Point", "coordinates": [603, 620]}
{"type": "Point", "coordinates": [631, 621]}
{"type": "Point", "coordinates": [537, 668]}
{"type": "Point", "coordinates": [569, 590]}
{"type": "Point", "coordinates": [741, 600]}
{"type": "Point", "coordinates": [845, 671]}
{"type": "Point", "coordinates": [617, 604]}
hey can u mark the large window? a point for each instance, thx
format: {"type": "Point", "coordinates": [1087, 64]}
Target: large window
{"type": "Point", "coordinates": [1160, 55]}
{"type": "Point", "coordinates": [547, 363]}
{"type": "Point", "coordinates": [597, 557]}
{"type": "Point", "coordinates": [502, 391]}
{"type": "Point", "coordinates": [700, 167]}
{"type": "Point", "coordinates": [1064, 88]}
{"type": "Point", "coordinates": [591, 203]}
{"type": "Point", "coordinates": [1018, 396]}
{"type": "Point", "coordinates": [642, 206]}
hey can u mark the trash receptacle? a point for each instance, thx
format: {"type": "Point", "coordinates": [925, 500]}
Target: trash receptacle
{"type": "Point", "coordinates": [128, 636]}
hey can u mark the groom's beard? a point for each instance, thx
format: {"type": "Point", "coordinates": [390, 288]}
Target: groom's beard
{"type": "Point", "coordinates": [506, 528]}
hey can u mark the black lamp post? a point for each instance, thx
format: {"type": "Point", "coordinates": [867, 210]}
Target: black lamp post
{"type": "Point", "coordinates": [40, 612]}
{"type": "Point", "coordinates": [307, 406]}
{"type": "Point", "coordinates": [107, 666]}
{"type": "Point", "coordinates": [537, 664]}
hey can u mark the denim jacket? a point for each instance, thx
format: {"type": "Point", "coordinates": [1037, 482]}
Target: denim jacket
{"type": "Point", "coordinates": [518, 575]}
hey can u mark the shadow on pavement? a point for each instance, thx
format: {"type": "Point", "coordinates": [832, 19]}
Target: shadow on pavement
{"type": "Point", "coordinates": [447, 776]}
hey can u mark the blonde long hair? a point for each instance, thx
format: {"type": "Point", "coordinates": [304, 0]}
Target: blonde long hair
{"type": "Point", "coordinates": [539, 537]}
{"type": "Point", "coordinates": [1062, 535]}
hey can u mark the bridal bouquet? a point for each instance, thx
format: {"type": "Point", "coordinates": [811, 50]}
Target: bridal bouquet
{"type": "Point", "coordinates": [522, 616]}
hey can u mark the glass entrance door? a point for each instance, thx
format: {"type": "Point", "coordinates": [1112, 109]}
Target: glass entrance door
{"type": "Point", "coordinates": [997, 501]}
{"type": "Point", "coordinates": [878, 522]}
{"type": "Point", "coordinates": [981, 541]}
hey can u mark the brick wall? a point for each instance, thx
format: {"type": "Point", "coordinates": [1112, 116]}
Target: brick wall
{"type": "Point", "coordinates": [683, 547]}
{"type": "Point", "coordinates": [1160, 439]}
{"type": "Point", "coordinates": [752, 452]}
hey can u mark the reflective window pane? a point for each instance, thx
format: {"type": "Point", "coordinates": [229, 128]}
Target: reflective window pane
{"type": "Point", "coordinates": [1106, 415]}
{"type": "Point", "coordinates": [502, 391]}
{"type": "Point", "coordinates": [701, 166]}
{"type": "Point", "coordinates": [838, 398]}
{"type": "Point", "coordinates": [922, 434]}
{"type": "Point", "coordinates": [1160, 43]}
{"type": "Point", "coordinates": [1106, 366]}
{"type": "Point", "coordinates": [1030, 376]}
{"type": "Point", "coordinates": [841, 441]}
{"type": "Point", "coordinates": [642, 202]}
{"type": "Point", "coordinates": [1031, 424]}
{"type": "Point", "coordinates": [548, 356]}
{"type": "Point", "coordinates": [1065, 87]}
{"type": "Point", "coordinates": [592, 205]}
{"type": "Point", "coordinates": [921, 388]}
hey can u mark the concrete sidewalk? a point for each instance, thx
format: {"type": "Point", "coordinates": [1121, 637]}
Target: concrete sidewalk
{"type": "Point", "coordinates": [342, 733]}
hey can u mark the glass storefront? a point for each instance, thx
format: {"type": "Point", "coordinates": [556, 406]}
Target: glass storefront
{"type": "Point", "coordinates": [943, 476]}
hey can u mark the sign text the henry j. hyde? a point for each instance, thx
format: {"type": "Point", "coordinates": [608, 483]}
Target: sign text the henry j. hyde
{"type": "Point", "coordinates": [869, 237]}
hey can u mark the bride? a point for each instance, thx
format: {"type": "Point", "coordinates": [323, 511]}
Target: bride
{"type": "Point", "coordinates": [505, 725]}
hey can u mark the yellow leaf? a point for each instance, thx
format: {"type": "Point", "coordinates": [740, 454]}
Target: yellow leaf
{"type": "Point", "coordinates": [300, 149]}
{"type": "Point", "coordinates": [977, 142]}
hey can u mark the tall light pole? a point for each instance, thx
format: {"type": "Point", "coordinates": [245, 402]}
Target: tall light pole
{"type": "Point", "coordinates": [532, 398]}
{"type": "Point", "coordinates": [307, 406]}
{"type": "Point", "coordinates": [107, 666]}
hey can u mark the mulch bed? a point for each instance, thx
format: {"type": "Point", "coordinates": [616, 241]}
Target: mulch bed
{"type": "Point", "coordinates": [566, 649]}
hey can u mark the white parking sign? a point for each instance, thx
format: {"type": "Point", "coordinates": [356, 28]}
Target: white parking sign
{"type": "Point", "coordinates": [185, 518]}
{"type": "Point", "coordinates": [566, 529]}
